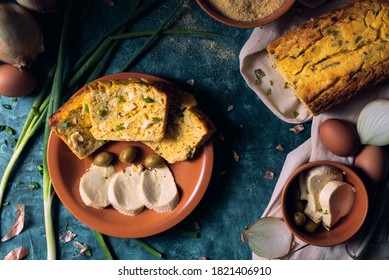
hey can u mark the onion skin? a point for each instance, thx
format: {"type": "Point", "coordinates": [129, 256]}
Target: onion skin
{"type": "Point", "coordinates": [21, 39]}
{"type": "Point", "coordinates": [16, 82]}
{"type": "Point", "coordinates": [39, 6]}
{"type": "Point", "coordinates": [269, 237]}
{"type": "Point", "coordinates": [373, 123]}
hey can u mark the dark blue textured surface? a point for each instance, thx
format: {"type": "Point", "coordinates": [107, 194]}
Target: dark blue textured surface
{"type": "Point", "coordinates": [238, 192]}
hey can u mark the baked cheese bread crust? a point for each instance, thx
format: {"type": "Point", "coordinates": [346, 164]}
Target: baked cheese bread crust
{"type": "Point", "coordinates": [330, 59]}
{"type": "Point", "coordinates": [187, 129]}
{"type": "Point", "coordinates": [71, 123]}
{"type": "Point", "coordinates": [127, 110]}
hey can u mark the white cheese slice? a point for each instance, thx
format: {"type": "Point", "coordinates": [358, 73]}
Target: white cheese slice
{"type": "Point", "coordinates": [316, 179]}
{"type": "Point", "coordinates": [336, 199]}
{"type": "Point", "coordinates": [123, 193]}
{"type": "Point", "coordinates": [94, 186]}
{"type": "Point", "coordinates": [158, 190]}
{"type": "Point", "coordinates": [308, 181]}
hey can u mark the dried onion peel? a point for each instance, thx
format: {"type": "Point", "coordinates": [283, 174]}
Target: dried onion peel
{"type": "Point", "coordinates": [269, 237]}
{"type": "Point", "coordinates": [21, 39]}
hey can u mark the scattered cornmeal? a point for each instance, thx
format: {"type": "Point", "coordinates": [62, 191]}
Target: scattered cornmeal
{"type": "Point", "coordinates": [246, 10]}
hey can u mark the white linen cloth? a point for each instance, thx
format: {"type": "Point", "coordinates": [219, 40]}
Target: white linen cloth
{"type": "Point", "coordinates": [284, 105]}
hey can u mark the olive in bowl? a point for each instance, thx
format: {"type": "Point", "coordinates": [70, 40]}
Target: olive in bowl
{"type": "Point", "coordinates": [314, 225]}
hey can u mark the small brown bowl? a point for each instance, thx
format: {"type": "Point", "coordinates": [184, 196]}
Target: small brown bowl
{"type": "Point", "coordinates": [245, 24]}
{"type": "Point", "coordinates": [346, 227]}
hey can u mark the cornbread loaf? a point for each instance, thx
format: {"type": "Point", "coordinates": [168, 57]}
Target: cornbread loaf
{"type": "Point", "coordinates": [127, 110]}
{"type": "Point", "coordinates": [330, 59]}
{"type": "Point", "coordinates": [187, 129]}
{"type": "Point", "coordinates": [72, 124]}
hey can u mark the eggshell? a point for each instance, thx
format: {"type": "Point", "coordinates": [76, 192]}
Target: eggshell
{"type": "Point", "coordinates": [16, 82]}
{"type": "Point", "coordinates": [373, 162]}
{"type": "Point", "coordinates": [339, 137]}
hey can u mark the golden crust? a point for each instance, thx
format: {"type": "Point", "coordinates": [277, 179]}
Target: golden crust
{"type": "Point", "coordinates": [330, 59]}
{"type": "Point", "coordinates": [187, 129]}
{"type": "Point", "coordinates": [72, 124]}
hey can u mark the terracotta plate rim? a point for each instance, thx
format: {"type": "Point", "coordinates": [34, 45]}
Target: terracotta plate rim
{"type": "Point", "coordinates": [87, 216]}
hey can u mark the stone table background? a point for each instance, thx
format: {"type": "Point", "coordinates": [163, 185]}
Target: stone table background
{"type": "Point", "coordinates": [245, 142]}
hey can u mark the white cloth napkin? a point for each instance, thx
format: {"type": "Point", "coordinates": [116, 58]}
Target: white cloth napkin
{"type": "Point", "coordinates": [284, 105]}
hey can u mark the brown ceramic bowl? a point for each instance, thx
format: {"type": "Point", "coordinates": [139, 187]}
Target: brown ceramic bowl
{"type": "Point", "coordinates": [204, 4]}
{"type": "Point", "coordinates": [346, 227]}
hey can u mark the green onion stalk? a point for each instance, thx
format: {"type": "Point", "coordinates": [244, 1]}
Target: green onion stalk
{"type": "Point", "coordinates": [33, 122]}
{"type": "Point", "coordinates": [46, 104]}
{"type": "Point", "coordinates": [54, 103]}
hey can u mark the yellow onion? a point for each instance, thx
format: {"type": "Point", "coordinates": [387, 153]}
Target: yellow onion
{"type": "Point", "coordinates": [40, 6]}
{"type": "Point", "coordinates": [21, 39]}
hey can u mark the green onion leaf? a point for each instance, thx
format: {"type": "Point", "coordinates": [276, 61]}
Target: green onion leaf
{"type": "Point", "coordinates": [35, 110]}
{"type": "Point", "coordinates": [65, 124]}
{"type": "Point", "coordinates": [119, 127]}
{"type": "Point", "coordinates": [155, 119]}
{"type": "Point", "coordinates": [7, 106]}
{"type": "Point", "coordinates": [34, 186]}
{"type": "Point", "coordinates": [10, 130]}
{"type": "Point", "coordinates": [86, 108]}
{"type": "Point", "coordinates": [101, 112]}
{"type": "Point", "coordinates": [120, 99]}
{"type": "Point", "coordinates": [148, 100]}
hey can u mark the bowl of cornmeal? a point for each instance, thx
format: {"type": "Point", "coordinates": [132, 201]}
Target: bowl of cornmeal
{"type": "Point", "coordinates": [245, 13]}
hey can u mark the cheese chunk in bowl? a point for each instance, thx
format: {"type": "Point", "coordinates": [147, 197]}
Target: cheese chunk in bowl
{"type": "Point", "coordinates": [324, 203]}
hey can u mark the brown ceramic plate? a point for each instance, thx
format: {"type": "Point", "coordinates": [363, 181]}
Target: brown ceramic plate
{"type": "Point", "coordinates": [346, 227]}
{"type": "Point", "coordinates": [204, 4]}
{"type": "Point", "coordinates": [65, 169]}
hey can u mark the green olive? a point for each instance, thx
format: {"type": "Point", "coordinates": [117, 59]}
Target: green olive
{"type": "Point", "coordinates": [299, 218]}
{"type": "Point", "coordinates": [153, 161]}
{"type": "Point", "coordinates": [128, 154]}
{"type": "Point", "coordinates": [310, 226]}
{"type": "Point", "coordinates": [295, 193]}
{"type": "Point", "coordinates": [103, 159]}
{"type": "Point", "coordinates": [298, 206]}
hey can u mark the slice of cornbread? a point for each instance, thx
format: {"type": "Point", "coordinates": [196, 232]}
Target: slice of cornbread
{"type": "Point", "coordinates": [332, 58]}
{"type": "Point", "coordinates": [71, 123]}
{"type": "Point", "coordinates": [127, 110]}
{"type": "Point", "coordinates": [187, 129]}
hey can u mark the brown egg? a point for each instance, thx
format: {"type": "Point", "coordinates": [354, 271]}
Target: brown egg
{"type": "Point", "coordinates": [15, 82]}
{"type": "Point", "coordinates": [339, 137]}
{"type": "Point", "coordinates": [373, 162]}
